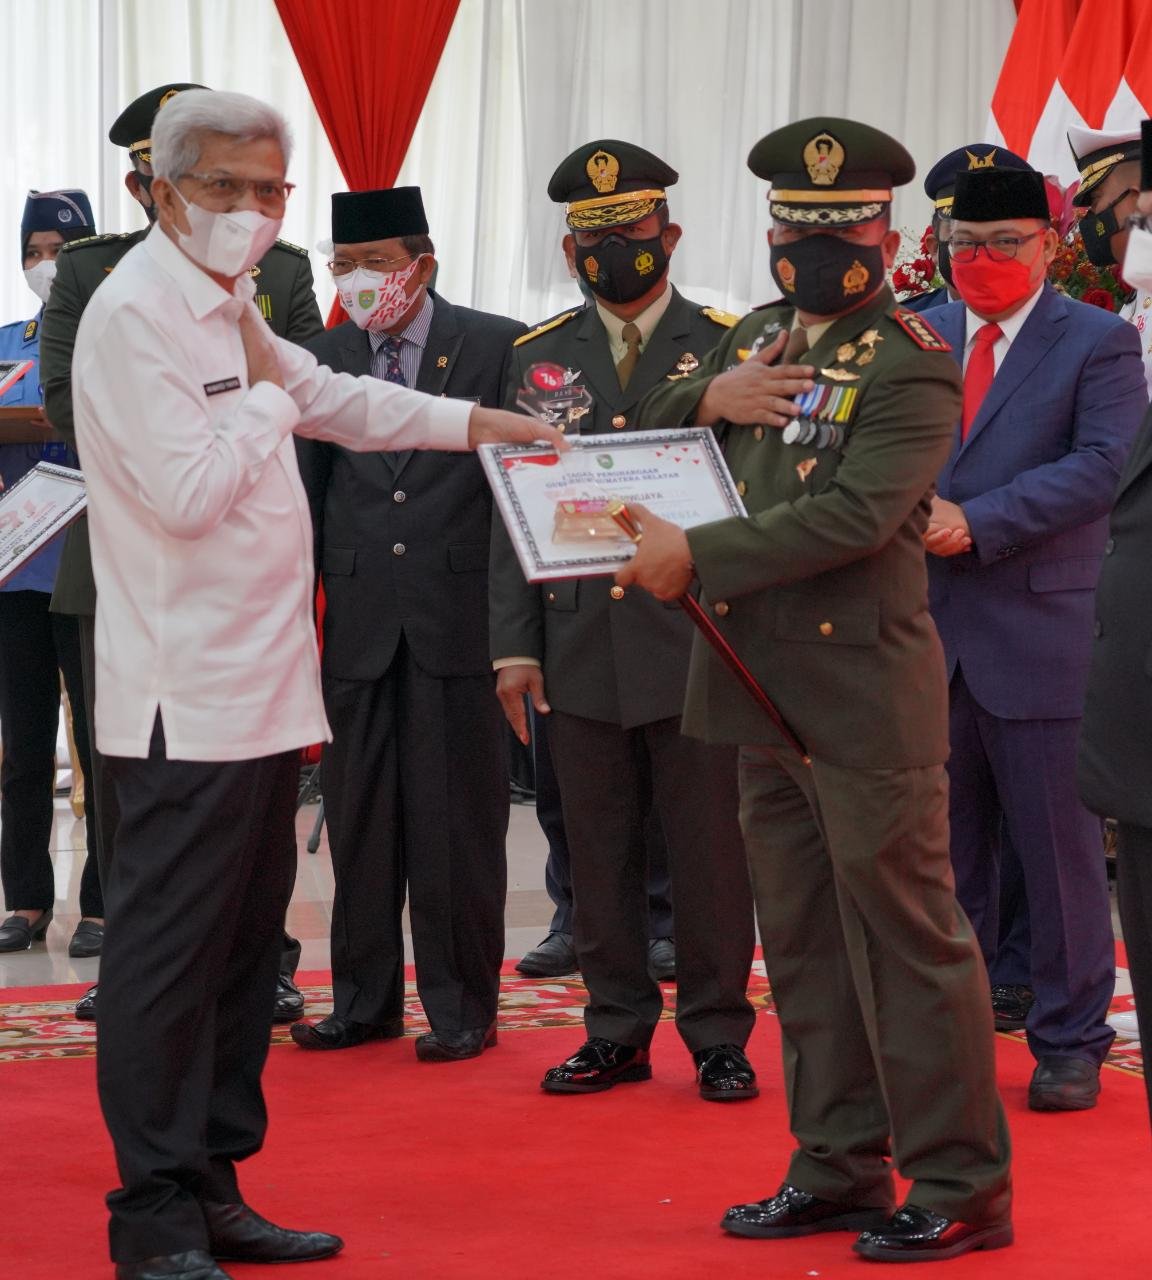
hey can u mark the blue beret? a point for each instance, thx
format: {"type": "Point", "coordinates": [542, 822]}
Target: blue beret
{"type": "Point", "coordinates": [940, 184]}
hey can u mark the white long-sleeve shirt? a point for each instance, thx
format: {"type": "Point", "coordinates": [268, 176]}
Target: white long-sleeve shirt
{"type": "Point", "coordinates": [200, 530]}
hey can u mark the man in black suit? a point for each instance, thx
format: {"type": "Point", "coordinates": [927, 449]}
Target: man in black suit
{"type": "Point", "coordinates": [415, 779]}
{"type": "Point", "coordinates": [1115, 764]}
{"type": "Point", "coordinates": [610, 668]}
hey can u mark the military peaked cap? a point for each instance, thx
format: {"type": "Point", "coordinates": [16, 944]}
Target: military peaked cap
{"type": "Point", "coordinates": [608, 183]}
{"type": "Point", "coordinates": [133, 126]}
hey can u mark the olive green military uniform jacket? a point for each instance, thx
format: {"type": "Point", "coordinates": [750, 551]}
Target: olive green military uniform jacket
{"type": "Point", "coordinates": [822, 589]}
{"type": "Point", "coordinates": [284, 295]}
{"type": "Point", "coordinates": [620, 660]}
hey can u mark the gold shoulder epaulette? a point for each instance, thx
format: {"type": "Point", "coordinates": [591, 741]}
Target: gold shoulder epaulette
{"type": "Point", "coordinates": [109, 237]}
{"type": "Point", "coordinates": [293, 248]}
{"type": "Point", "coordinates": [726, 318]}
{"type": "Point", "coordinates": [554, 323]}
{"type": "Point", "coordinates": [920, 331]}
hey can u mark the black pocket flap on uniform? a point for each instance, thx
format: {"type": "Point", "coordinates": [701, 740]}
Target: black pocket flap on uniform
{"type": "Point", "coordinates": [339, 561]}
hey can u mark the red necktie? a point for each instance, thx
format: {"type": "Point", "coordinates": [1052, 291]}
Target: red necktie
{"type": "Point", "coordinates": [978, 375]}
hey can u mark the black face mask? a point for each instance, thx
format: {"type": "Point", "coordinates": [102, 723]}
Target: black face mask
{"type": "Point", "coordinates": [621, 270]}
{"type": "Point", "coordinates": [944, 264]}
{"type": "Point", "coordinates": [825, 275]}
{"type": "Point", "coordinates": [145, 181]}
{"type": "Point", "coordinates": [1097, 230]}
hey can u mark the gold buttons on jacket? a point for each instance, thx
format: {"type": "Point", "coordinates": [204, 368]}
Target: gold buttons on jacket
{"type": "Point", "coordinates": [619, 421]}
{"type": "Point", "coordinates": [826, 628]}
{"type": "Point", "coordinates": [742, 487]}
{"type": "Point", "coordinates": [758, 433]}
{"type": "Point", "coordinates": [617, 593]}
{"type": "Point", "coordinates": [720, 608]}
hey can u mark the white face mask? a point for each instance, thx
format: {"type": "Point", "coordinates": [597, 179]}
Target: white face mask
{"type": "Point", "coordinates": [228, 244]}
{"type": "Point", "coordinates": [1137, 267]}
{"type": "Point", "coordinates": [375, 300]}
{"type": "Point", "coordinates": [40, 278]}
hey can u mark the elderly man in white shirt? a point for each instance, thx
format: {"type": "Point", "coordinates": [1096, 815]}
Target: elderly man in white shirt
{"type": "Point", "coordinates": [208, 675]}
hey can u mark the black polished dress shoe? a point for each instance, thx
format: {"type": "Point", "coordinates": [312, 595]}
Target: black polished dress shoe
{"type": "Point", "coordinates": [192, 1265]}
{"type": "Point", "coordinates": [239, 1234]}
{"type": "Point", "coordinates": [335, 1032]}
{"type": "Point", "coordinates": [1064, 1084]}
{"type": "Point", "coordinates": [724, 1074]}
{"type": "Point", "coordinates": [86, 1006]}
{"type": "Point", "coordinates": [919, 1235]}
{"type": "Point", "coordinates": [553, 958]}
{"type": "Point", "coordinates": [289, 1000]}
{"type": "Point", "coordinates": [1010, 1005]}
{"type": "Point", "coordinates": [87, 940]}
{"type": "Point", "coordinates": [454, 1046]}
{"type": "Point", "coordinates": [17, 934]}
{"type": "Point", "coordinates": [662, 960]}
{"type": "Point", "coordinates": [598, 1065]}
{"type": "Point", "coordinates": [792, 1212]}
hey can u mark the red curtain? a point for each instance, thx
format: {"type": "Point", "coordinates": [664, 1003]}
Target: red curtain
{"type": "Point", "coordinates": [368, 65]}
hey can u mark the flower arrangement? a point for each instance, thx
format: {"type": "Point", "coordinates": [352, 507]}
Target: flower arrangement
{"type": "Point", "coordinates": [1072, 274]}
{"type": "Point", "coordinates": [915, 269]}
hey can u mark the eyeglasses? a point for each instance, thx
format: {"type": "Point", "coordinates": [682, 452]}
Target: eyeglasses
{"type": "Point", "coordinates": [999, 249]}
{"type": "Point", "coordinates": [345, 266]}
{"type": "Point", "coordinates": [225, 189]}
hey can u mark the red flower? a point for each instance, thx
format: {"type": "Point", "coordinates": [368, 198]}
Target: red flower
{"type": "Point", "coordinates": [1098, 298]}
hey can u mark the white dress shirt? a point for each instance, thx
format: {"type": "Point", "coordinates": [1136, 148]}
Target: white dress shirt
{"type": "Point", "coordinates": [1009, 328]}
{"type": "Point", "coordinates": [200, 530]}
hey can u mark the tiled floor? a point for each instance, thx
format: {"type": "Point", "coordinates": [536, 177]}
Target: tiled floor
{"type": "Point", "coordinates": [526, 916]}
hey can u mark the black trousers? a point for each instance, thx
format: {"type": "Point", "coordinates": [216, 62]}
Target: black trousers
{"type": "Point", "coordinates": [35, 646]}
{"type": "Point", "coordinates": [558, 868]}
{"type": "Point", "coordinates": [1134, 895]}
{"type": "Point", "coordinates": [610, 778]}
{"type": "Point", "coordinates": [416, 800]}
{"type": "Point", "coordinates": [205, 860]}
{"type": "Point", "coordinates": [101, 804]}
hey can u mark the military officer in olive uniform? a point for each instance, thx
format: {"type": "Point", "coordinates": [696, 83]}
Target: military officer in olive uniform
{"type": "Point", "coordinates": [285, 296]}
{"type": "Point", "coordinates": [609, 667]}
{"type": "Point", "coordinates": [822, 591]}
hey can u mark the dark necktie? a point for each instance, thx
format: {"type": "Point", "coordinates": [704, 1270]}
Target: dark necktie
{"type": "Point", "coordinates": [390, 349]}
{"type": "Point", "coordinates": [631, 335]}
{"type": "Point", "coordinates": [978, 375]}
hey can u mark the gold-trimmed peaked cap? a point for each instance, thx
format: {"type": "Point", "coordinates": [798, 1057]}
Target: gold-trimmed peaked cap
{"type": "Point", "coordinates": [609, 183]}
{"type": "Point", "coordinates": [940, 184]}
{"type": "Point", "coordinates": [132, 128]}
{"type": "Point", "coordinates": [826, 171]}
{"type": "Point", "coordinates": [1097, 152]}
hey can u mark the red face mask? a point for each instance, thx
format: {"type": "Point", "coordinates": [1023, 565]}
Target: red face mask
{"type": "Point", "coordinates": [992, 287]}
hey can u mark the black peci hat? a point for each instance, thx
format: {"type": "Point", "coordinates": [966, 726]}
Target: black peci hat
{"type": "Point", "coordinates": [989, 195]}
{"type": "Point", "coordinates": [359, 217]}
{"type": "Point", "coordinates": [608, 183]}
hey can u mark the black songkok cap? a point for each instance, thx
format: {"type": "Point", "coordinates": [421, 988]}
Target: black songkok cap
{"type": "Point", "coordinates": [1146, 155]}
{"type": "Point", "coordinates": [608, 183]}
{"type": "Point", "coordinates": [990, 195]}
{"type": "Point", "coordinates": [362, 216]}
{"type": "Point", "coordinates": [132, 128]}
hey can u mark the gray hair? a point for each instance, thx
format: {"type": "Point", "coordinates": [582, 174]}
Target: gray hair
{"type": "Point", "coordinates": [180, 125]}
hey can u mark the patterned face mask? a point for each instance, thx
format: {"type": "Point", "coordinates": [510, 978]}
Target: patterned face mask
{"type": "Point", "coordinates": [375, 300]}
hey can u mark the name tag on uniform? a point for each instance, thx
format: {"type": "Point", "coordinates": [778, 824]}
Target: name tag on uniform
{"type": "Point", "coordinates": [224, 384]}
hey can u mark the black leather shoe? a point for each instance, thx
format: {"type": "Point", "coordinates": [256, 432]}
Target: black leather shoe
{"type": "Point", "coordinates": [193, 1265]}
{"type": "Point", "coordinates": [724, 1074]}
{"type": "Point", "coordinates": [662, 960]}
{"type": "Point", "coordinates": [919, 1235]}
{"type": "Point", "coordinates": [334, 1032]}
{"type": "Point", "coordinates": [86, 1006]}
{"type": "Point", "coordinates": [87, 940]}
{"type": "Point", "coordinates": [598, 1065]}
{"type": "Point", "coordinates": [553, 958]}
{"type": "Point", "coordinates": [454, 1046]}
{"type": "Point", "coordinates": [1010, 1005]}
{"type": "Point", "coordinates": [1063, 1084]}
{"type": "Point", "coordinates": [239, 1234]}
{"type": "Point", "coordinates": [289, 1000]}
{"type": "Point", "coordinates": [792, 1212]}
{"type": "Point", "coordinates": [17, 934]}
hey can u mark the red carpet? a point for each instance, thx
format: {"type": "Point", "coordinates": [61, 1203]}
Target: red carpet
{"type": "Point", "coordinates": [469, 1171]}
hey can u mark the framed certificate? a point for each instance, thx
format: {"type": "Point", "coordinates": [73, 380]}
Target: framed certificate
{"type": "Point", "coordinates": [34, 511]}
{"type": "Point", "coordinates": [555, 505]}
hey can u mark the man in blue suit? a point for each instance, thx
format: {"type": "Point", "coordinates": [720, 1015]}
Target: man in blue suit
{"type": "Point", "coordinates": [1053, 395]}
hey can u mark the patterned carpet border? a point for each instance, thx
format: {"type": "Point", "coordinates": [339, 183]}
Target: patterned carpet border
{"type": "Point", "coordinates": [46, 1028]}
